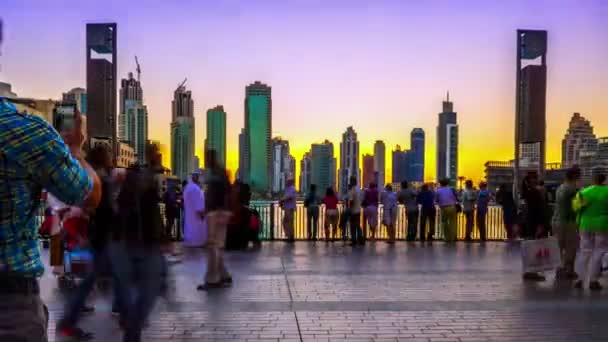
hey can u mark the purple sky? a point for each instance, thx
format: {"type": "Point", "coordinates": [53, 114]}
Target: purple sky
{"type": "Point", "coordinates": [381, 66]}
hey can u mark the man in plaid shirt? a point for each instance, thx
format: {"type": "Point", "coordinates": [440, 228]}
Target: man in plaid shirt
{"type": "Point", "coordinates": [33, 156]}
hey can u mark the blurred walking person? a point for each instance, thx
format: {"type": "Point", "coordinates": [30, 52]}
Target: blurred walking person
{"type": "Point", "coordinates": [45, 160]}
{"type": "Point", "coordinates": [447, 201]}
{"type": "Point", "coordinates": [469, 197]}
{"type": "Point", "coordinates": [534, 226]}
{"type": "Point", "coordinates": [388, 198]}
{"type": "Point", "coordinates": [195, 224]}
{"type": "Point", "coordinates": [564, 224]}
{"type": "Point", "coordinates": [331, 214]}
{"type": "Point", "coordinates": [592, 203]}
{"type": "Point", "coordinates": [100, 225]}
{"type": "Point", "coordinates": [426, 201]}
{"type": "Point", "coordinates": [311, 203]}
{"type": "Point", "coordinates": [407, 197]}
{"type": "Point", "coordinates": [288, 203]}
{"type": "Point", "coordinates": [217, 212]}
{"type": "Point", "coordinates": [371, 200]}
{"type": "Point", "coordinates": [137, 261]}
{"type": "Point", "coordinates": [504, 197]}
{"type": "Point", "coordinates": [483, 200]}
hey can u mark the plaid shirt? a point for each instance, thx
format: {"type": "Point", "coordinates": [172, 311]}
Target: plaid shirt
{"type": "Point", "coordinates": [32, 157]}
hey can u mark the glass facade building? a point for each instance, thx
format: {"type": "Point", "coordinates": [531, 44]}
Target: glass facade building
{"type": "Point", "coordinates": [216, 134]}
{"type": "Point", "coordinates": [258, 127]}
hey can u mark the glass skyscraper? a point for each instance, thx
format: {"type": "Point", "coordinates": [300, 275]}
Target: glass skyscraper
{"type": "Point", "coordinates": [323, 167]}
{"type": "Point", "coordinates": [182, 133]}
{"type": "Point", "coordinates": [216, 134]}
{"type": "Point", "coordinates": [258, 128]}
{"type": "Point", "coordinates": [447, 143]}
{"type": "Point", "coordinates": [416, 155]}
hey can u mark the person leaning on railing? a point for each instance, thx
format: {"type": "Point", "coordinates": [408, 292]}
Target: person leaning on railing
{"type": "Point", "coordinates": [446, 199]}
{"type": "Point", "coordinates": [33, 156]}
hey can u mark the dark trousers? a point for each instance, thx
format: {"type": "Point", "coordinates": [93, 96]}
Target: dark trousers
{"type": "Point", "coordinates": [481, 224]}
{"type": "Point", "coordinates": [412, 224]}
{"type": "Point", "coordinates": [356, 233]}
{"type": "Point", "coordinates": [76, 303]}
{"type": "Point", "coordinates": [427, 216]}
{"type": "Point", "coordinates": [23, 315]}
{"type": "Point", "coordinates": [470, 223]}
{"type": "Point", "coordinates": [139, 270]}
{"type": "Point", "coordinates": [344, 219]}
{"type": "Point", "coordinates": [312, 220]}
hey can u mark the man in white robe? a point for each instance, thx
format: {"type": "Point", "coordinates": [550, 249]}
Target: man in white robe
{"type": "Point", "coordinates": [195, 226]}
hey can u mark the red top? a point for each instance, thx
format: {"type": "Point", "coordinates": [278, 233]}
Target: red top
{"type": "Point", "coordinates": [330, 202]}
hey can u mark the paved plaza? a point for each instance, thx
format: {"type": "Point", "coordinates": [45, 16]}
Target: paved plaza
{"type": "Point", "coordinates": [328, 292]}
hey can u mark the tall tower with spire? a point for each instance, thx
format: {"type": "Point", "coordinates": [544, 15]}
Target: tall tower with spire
{"type": "Point", "coordinates": [447, 142]}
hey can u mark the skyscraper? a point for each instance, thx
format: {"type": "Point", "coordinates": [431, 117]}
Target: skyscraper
{"type": "Point", "coordinates": [283, 165]}
{"type": "Point", "coordinates": [447, 143]}
{"type": "Point", "coordinates": [258, 127]}
{"type": "Point", "coordinates": [369, 173]}
{"type": "Point", "coordinates": [323, 166]}
{"type": "Point", "coordinates": [101, 81]}
{"type": "Point", "coordinates": [216, 134]}
{"type": "Point", "coordinates": [417, 155]}
{"type": "Point", "coordinates": [305, 172]}
{"type": "Point", "coordinates": [243, 172]}
{"type": "Point", "coordinates": [531, 90]}
{"type": "Point", "coordinates": [380, 162]}
{"type": "Point", "coordinates": [349, 159]}
{"type": "Point", "coordinates": [182, 133]}
{"type": "Point", "coordinates": [401, 165]}
{"type": "Point", "coordinates": [134, 122]}
{"type": "Point", "coordinates": [579, 137]}
{"type": "Point", "coordinates": [131, 93]}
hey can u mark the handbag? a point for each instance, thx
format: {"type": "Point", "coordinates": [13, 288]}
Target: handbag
{"type": "Point", "coordinates": [540, 255]}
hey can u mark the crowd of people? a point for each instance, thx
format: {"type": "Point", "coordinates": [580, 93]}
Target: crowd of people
{"type": "Point", "coordinates": [116, 216]}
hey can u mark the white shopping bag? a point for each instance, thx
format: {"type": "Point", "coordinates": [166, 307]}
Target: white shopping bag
{"type": "Point", "coordinates": [540, 255]}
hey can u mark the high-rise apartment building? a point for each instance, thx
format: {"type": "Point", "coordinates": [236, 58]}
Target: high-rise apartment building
{"type": "Point", "coordinates": [101, 62]}
{"type": "Point", "coordinates": [283, 165]}
{"type": "Point", "coordinates": [305, 172]}
{"type": "Point", "coordinates": [531, 90]}
{"type": "Point", "coordinates": [579, 137]}
{"type": "Point", "coordinates": [182, 133]}
{"type": "Point", "coordinates": [369, 173]}
{"type": "Point", "coordinates": [417, 141]}
{"type": "Point", "coordinates": [216, 134]}
{"type": "Point", "coordinates": [134, 123]}
{"type": "Point", "coordinates": [258, 128]}
{"type": "Point", "coordinates": [323, 166]}
{"type": "Point", "coordinates": [131, 93]}
{"type": "Point", "coordinates": [447, 143]}
{"type": "Point", "coordinates": [380, 163]}
{"type": "Point", "coordinates": [349, 160]}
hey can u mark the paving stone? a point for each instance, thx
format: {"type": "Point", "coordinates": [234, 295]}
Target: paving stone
{"type": "Point", "coordinates": [328, 292]}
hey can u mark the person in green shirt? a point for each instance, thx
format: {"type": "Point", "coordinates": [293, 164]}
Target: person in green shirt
{"type": "Point", "coordinates": [564, 223]}
{"type": "Point", "coordinates": [592, 206]}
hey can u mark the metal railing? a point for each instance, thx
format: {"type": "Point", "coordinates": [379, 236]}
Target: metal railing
{"type": "Point", "coordinates": [271, 216]}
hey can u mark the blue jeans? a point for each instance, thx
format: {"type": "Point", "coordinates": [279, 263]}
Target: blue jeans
{"type": "Point", "coordinates": [77, 302]}
{"type": "Point", "coordinates": [138, 271]}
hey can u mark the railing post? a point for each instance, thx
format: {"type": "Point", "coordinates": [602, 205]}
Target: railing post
{"type": "Point", "coordinates": [271, 223]}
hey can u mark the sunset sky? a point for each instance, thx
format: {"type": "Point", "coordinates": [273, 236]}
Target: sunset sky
{"type": "Point", "coordinates": [381, 66]}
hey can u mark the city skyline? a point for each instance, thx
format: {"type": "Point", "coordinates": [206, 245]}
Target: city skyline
{"type": "Point", "coordinates": [478, 71]}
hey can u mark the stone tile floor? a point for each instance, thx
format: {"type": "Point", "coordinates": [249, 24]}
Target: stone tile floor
{"type": "Point", "coordinates": [329, 292]}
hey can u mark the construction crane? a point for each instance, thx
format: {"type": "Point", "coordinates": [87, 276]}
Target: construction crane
{"type": "Point", "coordinates": [182, 84]}
{"type": "Point", "coordinates": [138, 69]}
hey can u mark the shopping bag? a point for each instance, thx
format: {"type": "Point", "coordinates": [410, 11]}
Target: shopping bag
{"type": "Point", "coordinates": [540, 255]}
